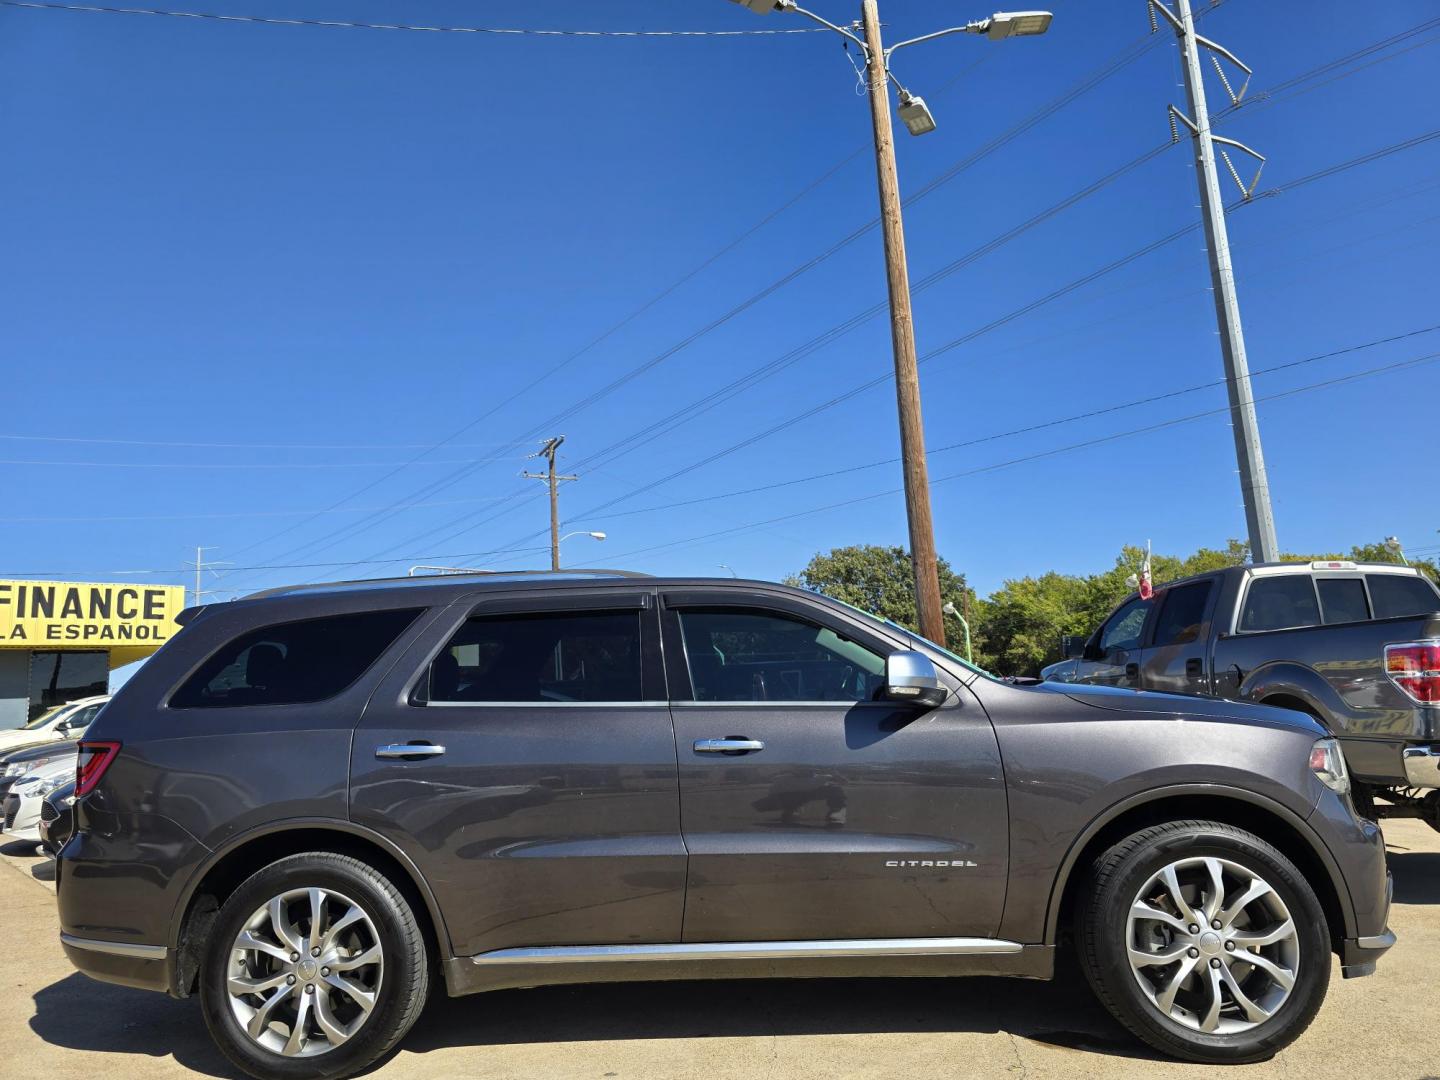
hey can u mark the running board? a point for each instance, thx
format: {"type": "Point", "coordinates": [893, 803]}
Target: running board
{"type": "Point", "coordinates": [749, 950]}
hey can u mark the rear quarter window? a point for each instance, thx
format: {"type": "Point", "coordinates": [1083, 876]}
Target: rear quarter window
{"type": "Point", "coordinates": [1396, 595]}
{"type": "Point", "coordinates": [293, 663]}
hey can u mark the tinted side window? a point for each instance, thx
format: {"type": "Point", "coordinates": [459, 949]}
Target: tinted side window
{"type": "Point", "coordinates": [1395, 595]}
{"type": "Point", "coordinates": [1125, 626]}
{"type": "Point", "coordinates": [1342, 599]}
{"type": "Point", "coordinates": [1182, 614]}
{"type": "Point", "coordinates": [747, 655]}
{"type": "Point", "coordinates": [570, 656]}
{"type": "Point", "coordinates": [292, 663]}
{"type": "Point", "coordinates": [1280, 603]}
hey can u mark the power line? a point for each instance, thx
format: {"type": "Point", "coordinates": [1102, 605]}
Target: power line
{"type": "Point", "coordinates": [236, 569]}
{"type": "Point", "coordinates": [241, 466]}
{"type": "Point", "coordinates": [1126, 56]}
{"type": "Point", "coordinates": [164, 443]}
{"type": "Point", "coordinates": [677, 419]}
{"type": "Point", "coordinates": [973, 334]}
{"type": "Point", "coordinates": [339, 24]}
{"type": "Point", "coordinates": [1074, 447]}
{"type": "Point", "coordinates": [1028, 430]}
{"type": "Point", "coordinates": [237, 514]}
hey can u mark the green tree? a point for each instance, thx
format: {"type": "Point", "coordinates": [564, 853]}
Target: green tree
{"type": "Point", "coordinates": [880, 580]}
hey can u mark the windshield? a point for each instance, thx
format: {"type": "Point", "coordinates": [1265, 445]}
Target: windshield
{"type": "Point", "coordinates": [941, 649]}
{"type": "Point", "coordinates": [918, 639]}
{"type": "Point", "coordinates": [45, 718]}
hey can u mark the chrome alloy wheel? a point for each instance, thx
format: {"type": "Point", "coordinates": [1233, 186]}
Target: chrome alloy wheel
{"type": "Point", "coordinates": [304, 972]}
{"type": "Point", "coordinates": [1212, 945]}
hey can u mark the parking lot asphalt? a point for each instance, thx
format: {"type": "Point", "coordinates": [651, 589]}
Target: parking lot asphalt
{"type": "Point", "coordinates": [57, 1024]}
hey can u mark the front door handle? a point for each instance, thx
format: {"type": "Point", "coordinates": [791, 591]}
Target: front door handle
{"type": "Point", "coordinates": [1195, 668]}
{"type": "Point", "coordinates": [733, 744]}
{"type": "Point", "coordinates": [409, 750]}
{"type": "Point", "coordinates": [1132, 671]}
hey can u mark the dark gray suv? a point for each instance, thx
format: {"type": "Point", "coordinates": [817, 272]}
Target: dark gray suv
{"type": "Point", "coordinates": [313, 803]}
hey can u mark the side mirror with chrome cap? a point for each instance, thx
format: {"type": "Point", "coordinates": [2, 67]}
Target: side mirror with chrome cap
{"type": "Point", "coordinates": [911, 677]}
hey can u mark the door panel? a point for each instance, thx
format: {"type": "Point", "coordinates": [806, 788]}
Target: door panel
{"type": "Point", "coordinates": [1116, 656]}
{"type": "Point", "coordinates": [857, 819]}
{"type": "Point", "coordinates": [1177, 658]}
{"type": "Point", "coordinates": [544, 822]}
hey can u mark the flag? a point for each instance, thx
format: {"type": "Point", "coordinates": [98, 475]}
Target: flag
{"type": "Point", "coordinates": [1147, 589]}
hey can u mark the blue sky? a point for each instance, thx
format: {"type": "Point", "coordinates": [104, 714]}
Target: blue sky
{"type": "Point", "coordinates": [329, 250]}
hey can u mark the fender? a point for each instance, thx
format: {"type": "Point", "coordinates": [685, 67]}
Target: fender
{"type": "Point", "coordinates": [1301, 682]}
{"type": "Point", "coordinates": [336, 825]}
{"type": "Point", "coordinates": [1062, 878]}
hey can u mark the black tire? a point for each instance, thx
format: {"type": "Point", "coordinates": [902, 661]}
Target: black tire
{"type": "Point", "coordinates": [1102, 935]}
{"type": "Point", "coordinates": [403, 983]}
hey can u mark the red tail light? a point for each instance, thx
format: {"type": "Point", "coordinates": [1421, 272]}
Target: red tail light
{"type": "Point", "coordinates": [95, 757]}
{"type": "Point", "coordinates": [1415, 668]}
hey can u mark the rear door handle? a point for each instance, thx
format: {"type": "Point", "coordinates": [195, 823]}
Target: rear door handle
{"type": "Point", "coordinates": [733, 744]}
{"type": "Point", "coordinates": [409, 750]}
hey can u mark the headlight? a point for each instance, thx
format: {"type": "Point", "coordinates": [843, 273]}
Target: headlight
{"type": "Point", "coordinates": [15, 768]}
{"type": "Point", "coordinates": [1327, 761]}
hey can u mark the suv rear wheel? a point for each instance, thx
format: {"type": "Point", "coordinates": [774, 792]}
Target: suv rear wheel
{"type": "Point", "coordinates": [1205, 941]}
{"type": "Point", "coordinates": [315, 968]}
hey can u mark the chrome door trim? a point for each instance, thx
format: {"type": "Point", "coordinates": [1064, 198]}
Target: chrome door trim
{"type": "Point", "coordinates": [408, 750]}
{"type": "Point", "coordinates": [728, 746]}
{"type": "Point", "coordinates": [750, 950]}
{"type": "Point", "coordinates": [116, 948]}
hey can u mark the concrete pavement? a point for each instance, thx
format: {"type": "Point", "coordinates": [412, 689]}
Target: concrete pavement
{"type": "Point", "coordinates": [59, 1025]}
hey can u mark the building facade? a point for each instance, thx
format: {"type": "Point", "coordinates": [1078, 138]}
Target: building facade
{"type": "Point", "coordinates": [59, 640]}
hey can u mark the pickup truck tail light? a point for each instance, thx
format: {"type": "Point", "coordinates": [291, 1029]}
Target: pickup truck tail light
{"type": "Point", "coordinates": [1415, 668]}
{"type": "Point", "coordinates": [95, 757]}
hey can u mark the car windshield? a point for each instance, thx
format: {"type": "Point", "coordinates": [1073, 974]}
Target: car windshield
{"type": "Point", "coordinates": [941, 649]}
{"type": "Point", "coordinates": [45, 718]}
{"type": "Point", "coordinates": [919, 640]}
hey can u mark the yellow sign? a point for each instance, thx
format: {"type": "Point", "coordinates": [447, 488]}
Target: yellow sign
{"type": "Point", "coordinates": [133, 620]}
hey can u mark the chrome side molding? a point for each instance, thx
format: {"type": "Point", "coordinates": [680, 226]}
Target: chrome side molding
{"type": "Point", "coordinates": [116, 948]}
{"type": "Point", "coordinates": [750, 950]}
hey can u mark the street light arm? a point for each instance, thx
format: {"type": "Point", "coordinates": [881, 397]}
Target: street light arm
{"type": "Point", "coordinates": [790, 5]}
{"type": "Point", "coordinates": [977, 27]}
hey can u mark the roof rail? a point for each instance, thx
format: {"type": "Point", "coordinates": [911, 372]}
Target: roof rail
{"type": "Point", "coordinates": [450, 575]}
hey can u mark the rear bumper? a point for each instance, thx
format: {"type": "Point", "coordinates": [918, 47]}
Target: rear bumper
{"type": "Point", "coordinates": [144, 967]}
{"type": "Point", "coordinates": [1359, 955]}
{"type": "Point", "coordinates": [1422, 766]}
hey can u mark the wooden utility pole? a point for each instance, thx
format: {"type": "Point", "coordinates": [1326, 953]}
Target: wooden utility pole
{"type": "Point", "coordinates": [902, 332]}
{"type": "Point", "coordinates": [554, 481]}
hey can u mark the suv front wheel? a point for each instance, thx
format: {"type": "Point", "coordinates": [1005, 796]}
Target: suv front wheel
{"type": "Point", "coordinates": [315, 968]}
{"type": "Point", "coordinates": [1205, 941]}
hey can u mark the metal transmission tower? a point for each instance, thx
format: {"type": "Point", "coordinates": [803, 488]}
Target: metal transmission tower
{"type": "Point", "coordinates": [1259, 518]}
{"type": "Point", "coordinates": [554, 481]}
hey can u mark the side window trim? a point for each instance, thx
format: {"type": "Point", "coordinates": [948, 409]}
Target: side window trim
{"type": "Point", "coordinates": [677, 666]}
{"type": "Point", "coordinates": [652, 674]}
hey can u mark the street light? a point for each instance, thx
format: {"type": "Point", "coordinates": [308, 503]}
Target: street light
{"type": "Point", "coordinates": [1008, 24]}
{"type": "Point", "coordinates": [918, 121]}
{"type": "Point", "coordinates": [592, 535]}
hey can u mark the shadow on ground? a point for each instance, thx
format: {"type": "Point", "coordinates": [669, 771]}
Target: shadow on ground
{"type": "Point", "coordinates": [1417, 876]}
{"type": "Point", "coordinates": [81, 1014]}
{"type": "Point", "coordinates": [1062, 1013]}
